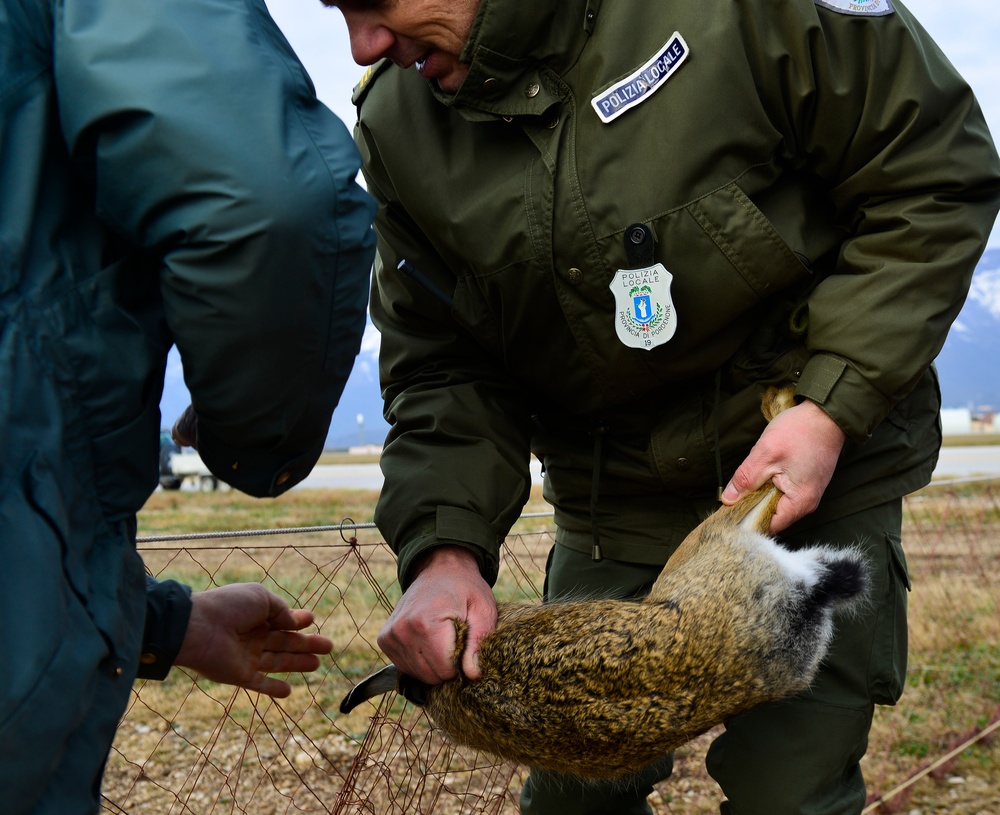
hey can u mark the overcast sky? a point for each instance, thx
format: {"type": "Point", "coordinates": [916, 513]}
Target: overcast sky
{"type": "Point", "coordinates": [967, 30]}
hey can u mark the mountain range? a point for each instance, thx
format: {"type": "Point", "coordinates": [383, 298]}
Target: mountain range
{"type": "Point", "coordinates": [969, 367]}
{"type": "Point", "coordinates": [969, 363]}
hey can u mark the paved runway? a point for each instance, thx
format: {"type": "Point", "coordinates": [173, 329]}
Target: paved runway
{"type": "Point", "coordinates": [954, 462]}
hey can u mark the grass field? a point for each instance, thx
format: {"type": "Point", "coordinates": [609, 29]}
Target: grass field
{"type": "Point", "coordinates": [191, 746]}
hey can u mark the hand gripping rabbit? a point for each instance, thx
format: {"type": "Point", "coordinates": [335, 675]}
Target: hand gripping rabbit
{"type": "Point", "coordinates": [601, 688]}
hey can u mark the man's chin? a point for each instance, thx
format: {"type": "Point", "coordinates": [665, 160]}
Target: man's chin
{"type": "Point", "coordinates": [452, 81]}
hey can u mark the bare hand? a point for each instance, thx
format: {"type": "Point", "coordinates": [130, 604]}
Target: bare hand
{"type": "Point", "coordinates": [798, 451]}
{"type": "Point", "coordinates": [239, 633]}
{"type": "Point", "coordinates": [185, 429]}
{"type": "Point", "coordinates": [419, 636]}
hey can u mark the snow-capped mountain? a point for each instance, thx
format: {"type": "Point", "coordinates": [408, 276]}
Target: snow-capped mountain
{"type": "Point", "coordinates": [969, 363]}
{"type": "Point", "coordinates": [357, 420]}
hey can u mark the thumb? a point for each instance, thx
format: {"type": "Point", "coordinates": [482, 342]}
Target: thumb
{"type": "Point", "coordinates": [730, 495]}
{"type": "Point", "coordinates": [481, 621]}
{"type": "Point", "coordinates": [470, 654]}
{"type": "Point", "coordinates": [746, 479]}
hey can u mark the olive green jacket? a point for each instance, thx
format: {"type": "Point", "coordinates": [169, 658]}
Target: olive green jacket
{"type": "Point", "coordinates": [820, 186]}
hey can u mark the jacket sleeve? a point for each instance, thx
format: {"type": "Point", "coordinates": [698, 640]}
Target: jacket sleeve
{"type": "Point", "coordinates": [457, 453]}
{"type": "Point", "coordinates": [873, 107]}
{"type": "Point", "coordinates": [168, 609]}
{"type": "Point", "coordinates": [208, 150]}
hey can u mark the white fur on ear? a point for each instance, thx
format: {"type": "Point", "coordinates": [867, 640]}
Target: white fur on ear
{"type": "Point", "coordinates": [798, 566]}
{"type": "Point", "coordinates": [754, 519]}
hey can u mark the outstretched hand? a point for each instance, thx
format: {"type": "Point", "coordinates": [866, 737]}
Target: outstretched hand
{"type": "Point", "coordinates": [798, 451]}
{"type": "Point", "coordinates": [240, 633]}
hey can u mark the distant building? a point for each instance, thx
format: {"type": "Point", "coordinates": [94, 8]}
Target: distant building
{"type": "Point", "coordinates": [365, 450]}
{"type": "Point", "coordinates": [984, 419]}
{"type": "Point", "coordinates": [955, 421]}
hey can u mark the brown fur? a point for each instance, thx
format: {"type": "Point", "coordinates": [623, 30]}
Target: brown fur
{"type": "Point", "coordinates": [600, 688]}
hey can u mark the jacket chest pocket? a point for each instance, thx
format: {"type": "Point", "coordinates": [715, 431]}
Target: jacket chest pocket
{"type": "Point", "coordinates": [759, 261]}
{"type": "Point", "coordinates": [729, 266]}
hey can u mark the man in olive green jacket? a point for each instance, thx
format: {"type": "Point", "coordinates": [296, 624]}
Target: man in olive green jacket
{"type": "Point", "coordinates": [167, 176]}
{"type": "Point", "coordinates": [604, 229]}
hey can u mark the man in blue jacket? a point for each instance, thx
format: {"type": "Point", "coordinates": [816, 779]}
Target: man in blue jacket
{"type": "Point", "coordinates": [167, 176]}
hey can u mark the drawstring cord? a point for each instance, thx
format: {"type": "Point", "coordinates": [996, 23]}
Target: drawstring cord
{"type": "Point", "coordinates": [637, 241]}
{"type": "Point", "coordinates": [715, 432]}
{"type": "Point", "coordinates": [598, 432]}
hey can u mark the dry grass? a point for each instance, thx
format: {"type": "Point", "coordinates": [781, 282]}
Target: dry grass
{"type": "Point", "coordinates": [190, 746]}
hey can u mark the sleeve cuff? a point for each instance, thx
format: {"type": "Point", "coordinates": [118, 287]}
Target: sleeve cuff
{"type": "Point", "coordinates": [458, 527]}
{"type": "Point", "coordinates": [168, 609]}
{"type": "Point", "coordinates": [844, 394]}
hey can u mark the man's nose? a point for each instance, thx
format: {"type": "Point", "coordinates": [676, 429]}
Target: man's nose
{"type": "Point", "coordinates": [370, 42]}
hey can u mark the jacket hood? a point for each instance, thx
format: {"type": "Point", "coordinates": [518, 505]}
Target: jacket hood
{"type": "Point", "coordinates": [515, 58]}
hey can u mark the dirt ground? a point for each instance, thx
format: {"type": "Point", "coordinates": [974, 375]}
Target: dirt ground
{"type": "Point", "coordinates": [312, 779]}
{"type": "Point", "coordinates": [967, 785]}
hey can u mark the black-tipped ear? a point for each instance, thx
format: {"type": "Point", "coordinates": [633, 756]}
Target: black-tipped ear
{"type": "Point", "coordinates": [413, 690]}
{"type": "Point", "coordinates": [382, 681]}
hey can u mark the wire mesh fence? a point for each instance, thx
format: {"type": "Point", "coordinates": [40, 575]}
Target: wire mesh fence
{"type": "Point", "coordinates": [189, 746]}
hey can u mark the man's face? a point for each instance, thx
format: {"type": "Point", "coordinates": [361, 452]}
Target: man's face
{"type": "Point", "coordinates": [428, 34]}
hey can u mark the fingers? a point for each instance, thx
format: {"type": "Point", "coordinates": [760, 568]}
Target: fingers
{"type": "Point", "coordinates": [288, 619]}
{"type": "Point", "coordinates": [292, 642]}
{"type": "Point", "coordinates": [275, 688]}
{"type": "Point", "coordinates": [281, 662]}
{"type": "Point", "coordinates": [791, 507]}
{"type": "Point", "coordinates": [286, 652]}
{"type": "Point", "coordinates": [470, 656]}
{"type": "Point", "coordinates": [420, 636]}
{"type": "Point", "coordinates": [185, 429]}
{"type": "Point", "coordinates": [421, 646]}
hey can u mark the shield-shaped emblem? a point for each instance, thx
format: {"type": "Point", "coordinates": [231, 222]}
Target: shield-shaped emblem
{"type": "Point", "coordinates": [644, 313]}
{"type": "Point", "coordinates": [642, 308]}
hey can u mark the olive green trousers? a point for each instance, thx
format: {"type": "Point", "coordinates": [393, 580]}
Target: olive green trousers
{"type": "Point", "coordinates": [796, 756]}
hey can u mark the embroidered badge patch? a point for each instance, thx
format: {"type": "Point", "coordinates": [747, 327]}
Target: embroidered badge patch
{"type": "Point", "coordinates": [644, 314]}
{"type": "Point", "coordinates": [639, 86]}
{"type": "Point", "coordinates": [869, 8]}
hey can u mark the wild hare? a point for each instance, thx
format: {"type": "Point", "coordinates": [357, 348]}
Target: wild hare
{"type": "Point", "coordinates": [601, 688]}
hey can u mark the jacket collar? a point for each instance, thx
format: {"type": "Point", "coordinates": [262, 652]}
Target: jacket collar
{"type": "Point", "coordinates": [516, 57]}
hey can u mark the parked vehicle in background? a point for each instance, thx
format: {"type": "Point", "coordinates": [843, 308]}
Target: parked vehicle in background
{"type": "Point", "coordinates": [168, 447]}
{"type": "Point", "coordinates": [179, 464]}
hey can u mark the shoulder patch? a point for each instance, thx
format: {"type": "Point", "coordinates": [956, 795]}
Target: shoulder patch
{"type": "Point", "coordinates": [368, 79]}
{"type": "Point", "coordinates": [863, 8]}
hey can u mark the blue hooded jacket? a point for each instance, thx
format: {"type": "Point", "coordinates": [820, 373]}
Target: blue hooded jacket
{"type": "Point", "coordinates": [167, 176]}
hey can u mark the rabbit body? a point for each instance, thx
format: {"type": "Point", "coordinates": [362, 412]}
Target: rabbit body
{"type": "Point", "coordinates": [601, 688]}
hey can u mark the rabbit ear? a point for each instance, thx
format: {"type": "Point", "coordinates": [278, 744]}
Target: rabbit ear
{"type": "Point", "coordinates": [761, 505]}
{"type": "Point", "coordinates": [776, 400]}
{"type": "Point", "coordinates": [382, 681]}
